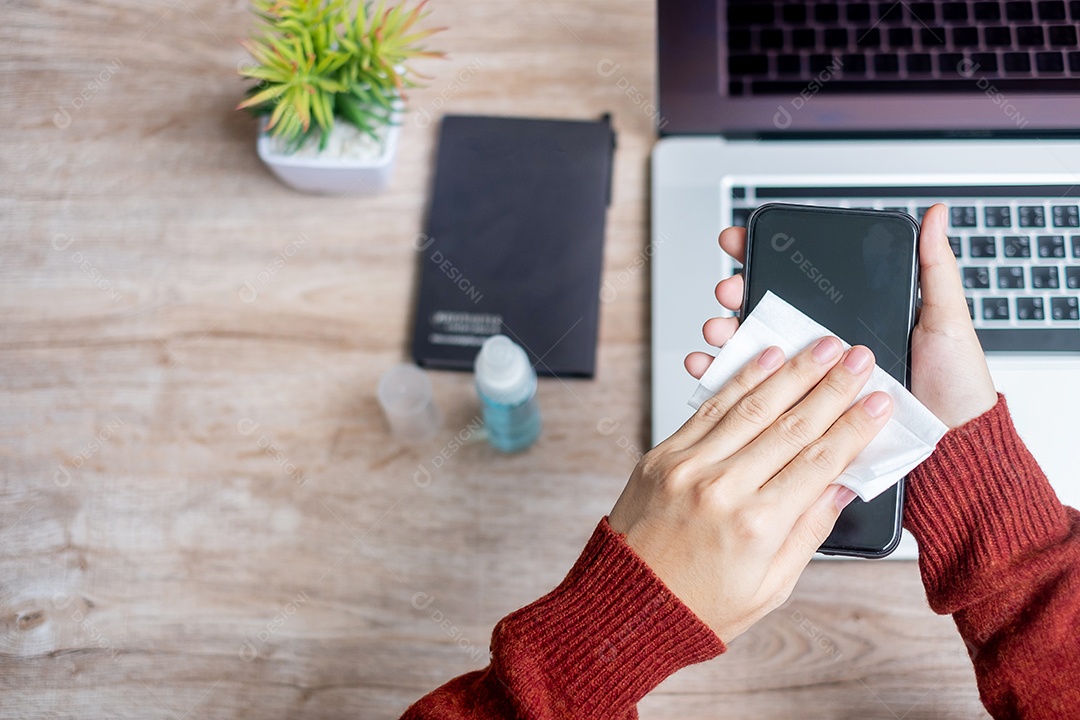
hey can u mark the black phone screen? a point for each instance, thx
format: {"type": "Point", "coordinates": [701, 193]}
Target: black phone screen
{"type": "Point", "coordinates": [856, 273]}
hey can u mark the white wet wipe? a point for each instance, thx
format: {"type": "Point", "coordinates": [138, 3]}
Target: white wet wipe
{"type": "Point", "coordinates": [908, 437]}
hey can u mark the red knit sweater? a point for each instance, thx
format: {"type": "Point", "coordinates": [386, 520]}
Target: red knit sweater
{"type": "Point", "coordinates": [996, 549]}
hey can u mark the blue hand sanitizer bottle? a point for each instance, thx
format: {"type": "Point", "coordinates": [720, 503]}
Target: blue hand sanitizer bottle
{"type": "Point", "coordinates": [506, 383]}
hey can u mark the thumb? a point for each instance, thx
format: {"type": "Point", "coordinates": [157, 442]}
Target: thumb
{"type": "Point", "coordinates": [811, 530]}
{"type": "Point", "coordinates": [942, 290]}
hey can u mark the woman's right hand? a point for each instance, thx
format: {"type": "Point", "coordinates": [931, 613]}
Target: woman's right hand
{"type": "Point", "coordinates": [730, 508]}
{"type": "Point", "coordinates": [948, 369]}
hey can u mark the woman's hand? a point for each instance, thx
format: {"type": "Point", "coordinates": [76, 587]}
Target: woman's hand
{"type": "Point", "coordinates": [948, 369]}
{"type": "Point", "coordinates": [730, 509]}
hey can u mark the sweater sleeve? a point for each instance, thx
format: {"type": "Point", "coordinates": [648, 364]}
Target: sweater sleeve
{"type": "Point", "coordinates": [999, 551]}
{"type": "Point", "coordinates": [591, 648]}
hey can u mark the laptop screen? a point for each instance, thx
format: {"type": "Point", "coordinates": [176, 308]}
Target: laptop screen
{"type": "Point", "coordinates": [759, 67]}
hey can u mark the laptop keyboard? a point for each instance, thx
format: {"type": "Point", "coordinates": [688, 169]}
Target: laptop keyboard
{"type": "Point", "coordinates": [896, 46]}
{"type": "Point", "coordinates": [1018, 249]}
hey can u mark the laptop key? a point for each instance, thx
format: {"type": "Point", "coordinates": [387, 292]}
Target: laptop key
{"type": "Point", "coordinates": [827, 13]}
{"type": "Point", "coordinates": [1029, 36]}
{"type": "Point", "coordinates": [886, 64]}
{"type": "Point", "coordinates": [920, 212]}
{"type": "Point", "coordinates": [803, 37]}
{"type": "Point", "coordinates": [794, 13]}
{"type": "Point", "coordinates": [1072, 278]}
{"type": "Point", "coordinates": [749, 14]}
{"type": "Point", "coordinates": [962, 216]}
{"type": "Point", "coordinates": [1017, 62]}
{"type": "Point", "coordinates": [954, 243]}
{"type": "Point", "coordinates": [976, 278]}
{"type": "Point", "coordinates": [987, 11]}
{"type": "Point", "coordinates": [919, 63]}
{"type": "Point", "coordinates": [890, 11]}
{"type": "Point", "coordinates": [1031, 338]}
{"type": "Point", "coordinates": [932, 36]}
{"type": "Point", "coordinates": [820, 62]}
{"type": "Point", "coordinates": [1076, 246]}
{"type": "Point", "coordinates": [1032, 216]}
{"type": "Point", "coordinates": [971, 307]}
{"type": "Point", "coordinates": [748, 64]}
{"type": "Point", "coordinates": [924, 11]}
{"type": "Point", "coordinates": [965, 37]}
{"type": "Point", "coordinates": [983, 246]}
{"type": "Point", "coordinates": [739, 216]}
{"type": "Point", "coordinates": [1065, 215]}
{"type": "Point", "coordinates": [1017, 246]}
{"type": "Point", "coordinates": [901, 37]}
{"type": "Point", "coordinates": [1030, 308]}
{"type": "Point", "coordinates": [1052, 10]}
{"type": "Point", "coordinates": [868, 37]}
{"type": "Point", "coordinates": [772, 38]}
{"type": "Point", "coordinates": [858, 12]}
{"type": "Point", "coordinates": [1010, 277]}
{"type": "Point", "coordinates": [986, 62]}
{"type": "Point", "coordinates": [997, 216]}
{"type": "Point", "coordinates": [1044, 277]}
{"type": "Point", "coordinates": [1064, 308]}
{"type": "Point", "coordinates": [995, 308]}
{"type": "Point", "coordinates": [836, 37]}
{"type": "Point", "coordinates": [1019, 11]}
{"type": "Point", "coordinates": [954, 11]}
{"type": "Point", "coordinates": [853, 64]}
{"type": "Point", "coordinates": [998, 37]}
{"type": "Point", "coordinates": [1049, 62]}
{"type": "Point", "coordinates": [954, 63]}
{"type": "Point", "coordinates": [1062, 35]}
{"type": "Point", "coordinates": [1051, 246]}
{"type": "Point", "coordinates": [789, 65]}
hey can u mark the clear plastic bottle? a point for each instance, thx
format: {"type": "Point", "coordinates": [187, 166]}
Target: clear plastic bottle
{"type": "Point", "coordinates": [506, 384]}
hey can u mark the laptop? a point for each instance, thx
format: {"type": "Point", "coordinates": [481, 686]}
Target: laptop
{"type": "Point", "coordinates": [891, 105]}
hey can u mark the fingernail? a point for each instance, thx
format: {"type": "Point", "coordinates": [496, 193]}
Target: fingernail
{"type": "Point", "coordinates": [876, 404]}
{"type": "Point", "coordinates": [771, 359]}
{"type": "Point", "coordinates": [843, 497]}
{"type": "Point", "coordinates": [858, 359]}
{"type": "Point", "coordinates": [827, 349]}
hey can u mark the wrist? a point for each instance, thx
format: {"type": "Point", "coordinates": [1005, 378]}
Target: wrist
{"type": "Point", "coordinates": [979, 502]}
{"type": "Point", "coordinates": [606, 636]}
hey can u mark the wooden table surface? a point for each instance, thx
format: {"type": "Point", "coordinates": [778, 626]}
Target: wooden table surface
{"type": "Point", "coordinates": [201, 513]}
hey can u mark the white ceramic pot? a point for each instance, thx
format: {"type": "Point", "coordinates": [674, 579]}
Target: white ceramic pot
{"type": "Point", "coordinates": [329, 174]}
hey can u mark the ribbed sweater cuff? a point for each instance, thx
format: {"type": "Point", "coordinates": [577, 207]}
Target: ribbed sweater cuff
{"type": "Point", "coordinates": [607, 635]}
{"type": "Point", "coordinates": [979, 503]}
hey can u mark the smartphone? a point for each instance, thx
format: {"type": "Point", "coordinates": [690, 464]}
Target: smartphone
{"type": "Point", "coordinates": [856, 273]}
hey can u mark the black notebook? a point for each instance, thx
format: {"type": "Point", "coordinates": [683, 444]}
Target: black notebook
{"type": "Point", "coordinates": [514, 241]}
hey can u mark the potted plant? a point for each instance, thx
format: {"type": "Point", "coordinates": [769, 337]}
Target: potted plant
{"type": "Point", "coordinates": [331, 80]}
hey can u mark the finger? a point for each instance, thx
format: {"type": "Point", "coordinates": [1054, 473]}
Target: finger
{"type": "Point", "coordinates": [942, 290]}
{"type": "Point", "coordinates": [718, 331]}
{"type": "Point", "coordinates": [795, 487]}
{"type": "Point", "coordinates": [808, 421]}
{"type": "Point", "coordinates": [809, 532]}
{"type": "Point", "coordinates": [729, 292]}
{"type": "Point", "coordinates": [733, 242]}
{"type": "Point", "coordinates": [756, 410]}
{"type": "Point", "coordinates": [715, 408]}
{"type": "Point", "coordinates": [697, 363]}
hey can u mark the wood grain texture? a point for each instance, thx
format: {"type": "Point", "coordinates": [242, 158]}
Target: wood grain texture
{"type": "Point", "coordinates": [201, 514]}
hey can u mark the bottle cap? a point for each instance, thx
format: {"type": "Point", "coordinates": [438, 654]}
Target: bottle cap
{"type": "Point", "coordinates": [503, 372]}
{"type": "Point", "coordinates": [408, 402]}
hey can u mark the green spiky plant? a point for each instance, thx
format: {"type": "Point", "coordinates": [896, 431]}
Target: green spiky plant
{"type": "Point", "coordinates": [317, 60]}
